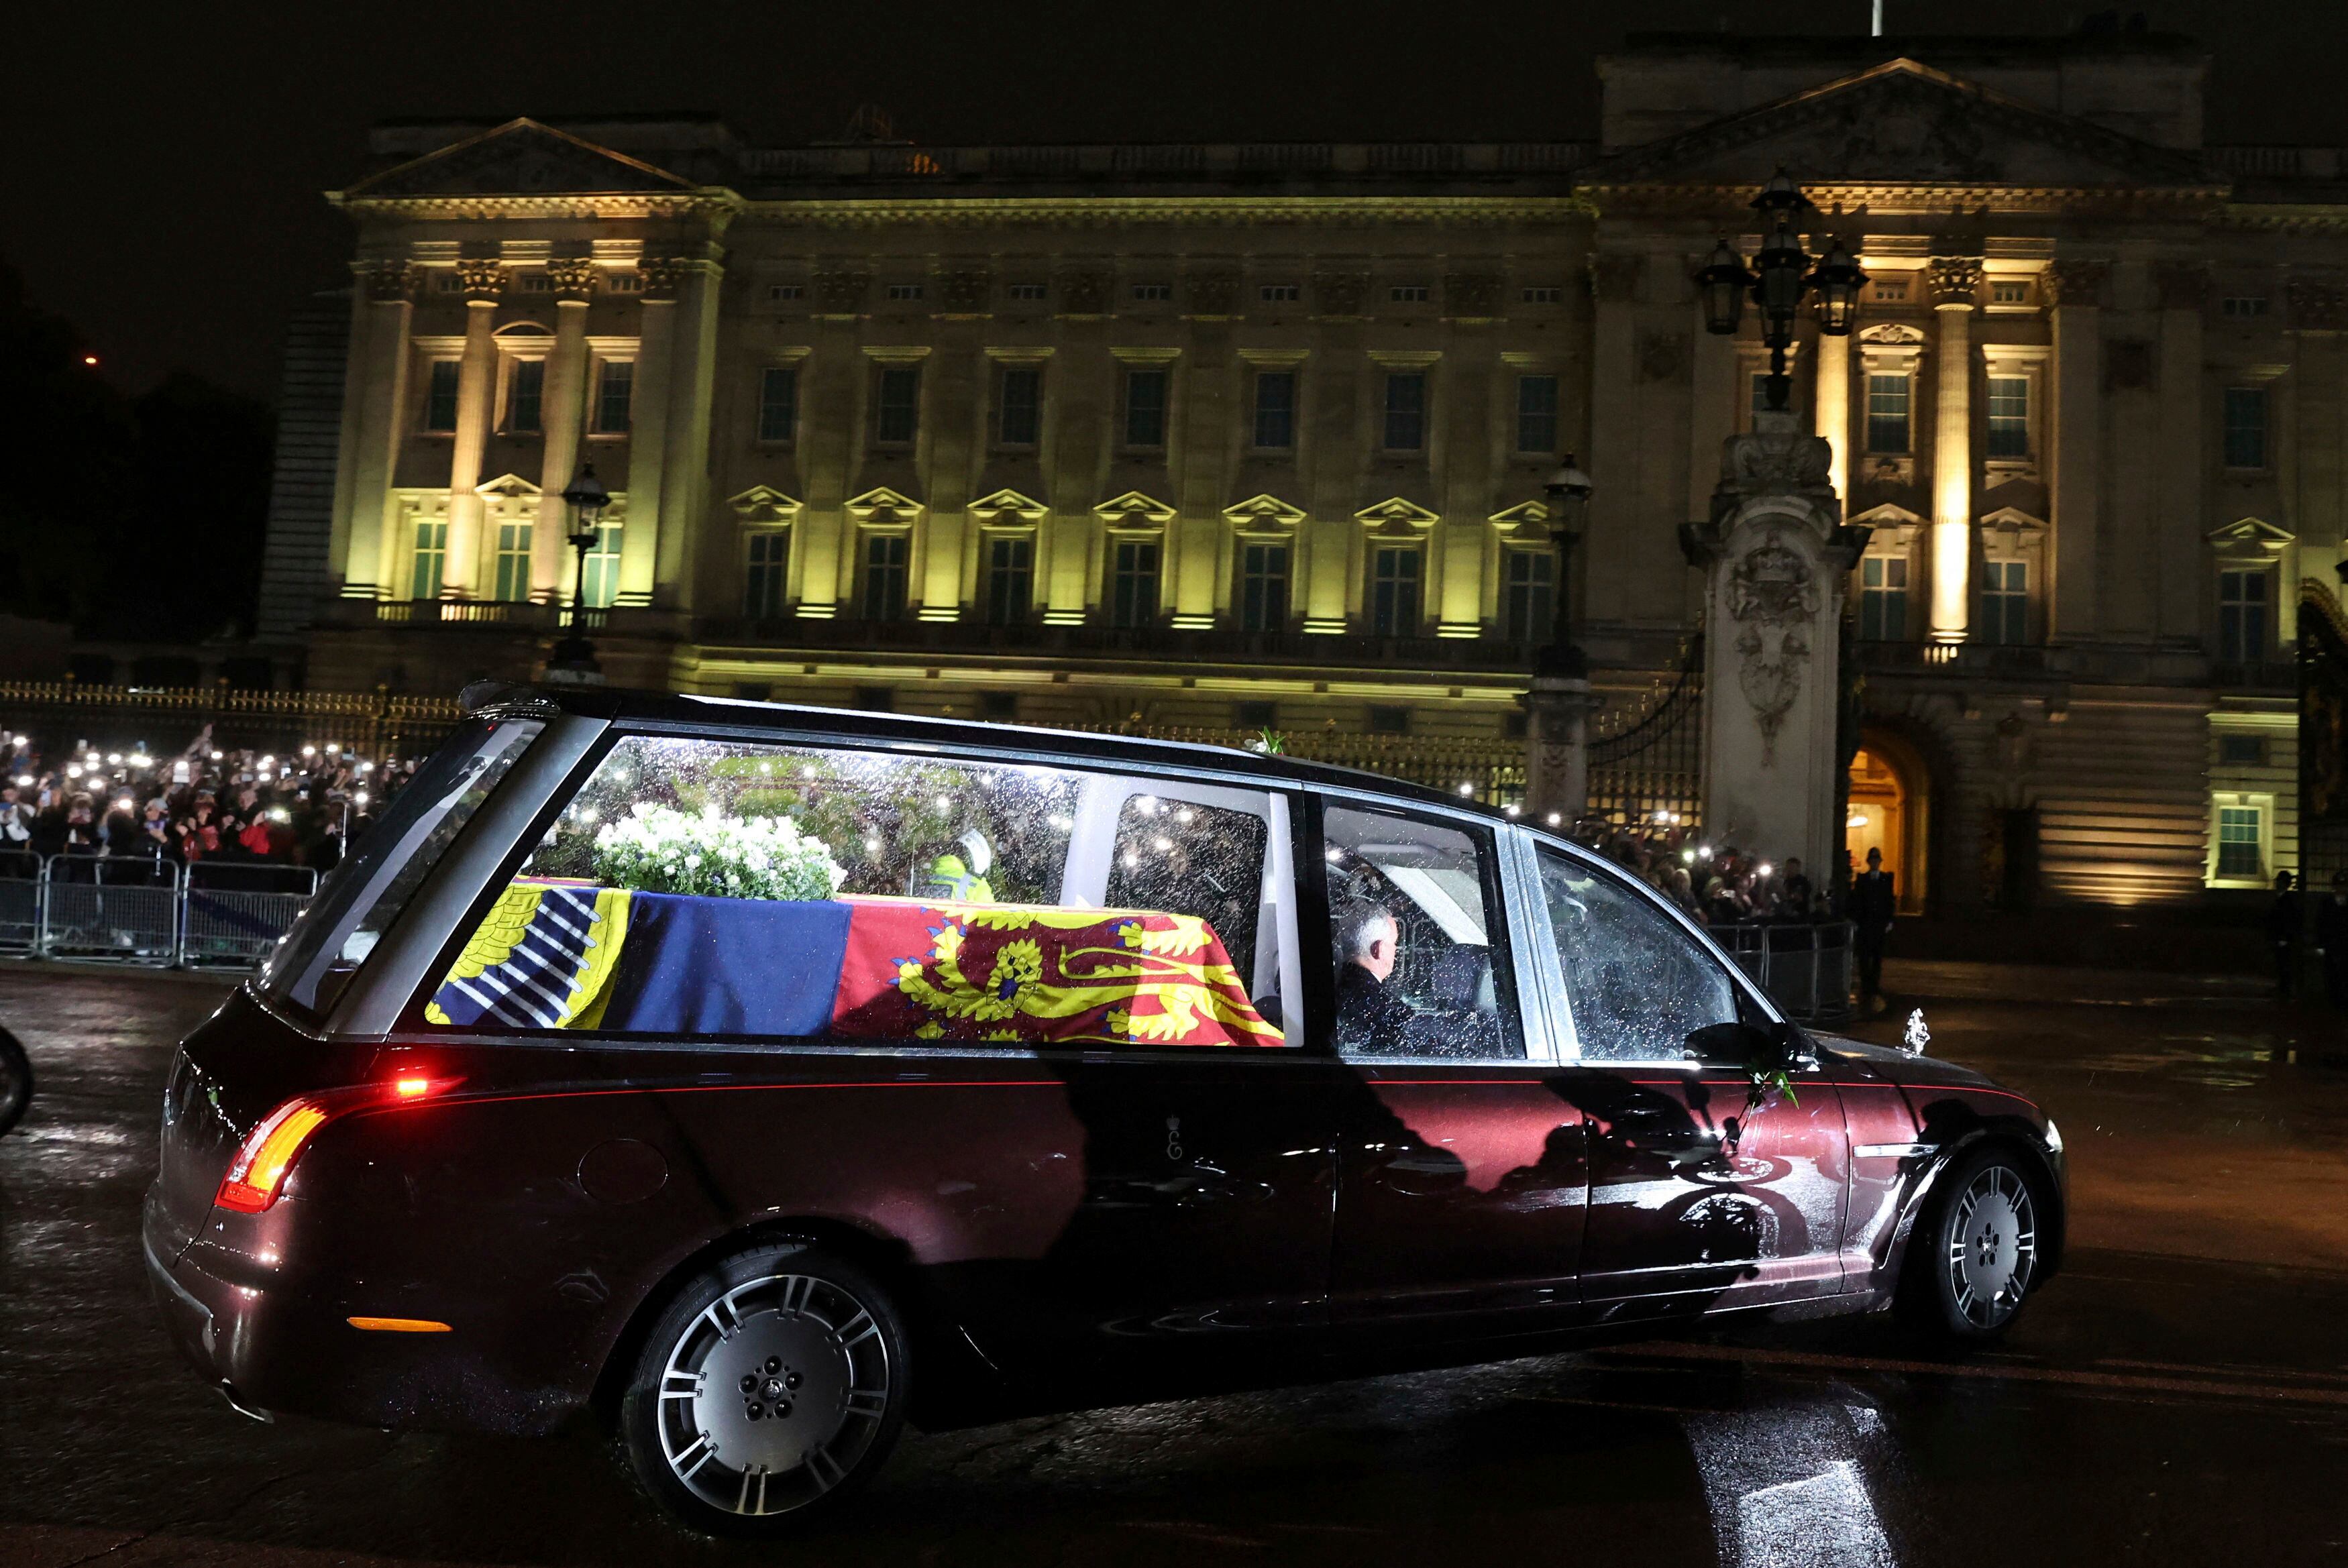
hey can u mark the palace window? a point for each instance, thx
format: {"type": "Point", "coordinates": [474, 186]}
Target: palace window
{"type": "Point", "coordinates": [1263, 586]}
{"type": "Point", "coordinates": [1152, 292]}
{"type": "Point", "coordinates": [1277, 293]}
{"type": "Point", "coordinates": [615, 391]}
{"type": "Point", "coordinates": [1885, 291]}
{"type": "Point", "coordinates": [428, 557]}
{"type": "Point", "coordinates": [782, 293]}
{"type": "Point", "coordinates": [1542, 294]}
{"type": "Point", "coordinates": [2009, 291]}
{"type": "Point", "coordinates": [1394, 589]}
{"type": "Point", "coordinates": [1886, 412]}
{"type": "Point", "coordinates": [1883, 598]}
{"type": "Point", "coordinates": [1405, 411]}
{"type": "Point", "coordinates": [513, 561]}
{"type": "Point", "coordinates": [1029, 293]}
{"type": "Point", "coordinates": [897, 405]}
{"type": "Point", "coordinates": [1145, 407]}
{"type": "Point", "coordinates": [1018, 405]}
{"type": "Point", "coordinates": [887, 566]}
{"type": "Point", "coordinates": [764, 582]}
{"type": "Point", "coordinates": [1537, 414]}
{"type": "Point", "coordinates": [2009, 416]}
{"type": "Point", "coordinates": [440, 396]}
{"type": "Point", "coordinates": [2245, 627]}
{"type": "Point", "coordinates": [1010, 580]}
{"type": "Point", "coordinates": [778, 404]}
{"type": "Point", "coordinates": [600, 584]}
{"type": "Point", "coordinates": [535, 283]}
{"type": "Point", "coordinates": [524, 396]}
{"type": "Point", "coordinates": [1133, 582]}
{"type": "Point", "coordinates": [904, 291]}
{"type": "Point", "coordinates": [1275, 410]}
{"type": "Point", "coordinates": [2242, 307]}
{"type": "Point", "coordinates": [1407, 294]}
{"type": "Point", "coordinates": [2246, 427]}
{"type": "Point", "coordinates": [1526, 576]}
{"type": "Point", "coordinates": [2240, 832]}
{"type": "Point", "coordinates": [2242, 751]}
{"type": "Point", "coordinates": [2004, 602]}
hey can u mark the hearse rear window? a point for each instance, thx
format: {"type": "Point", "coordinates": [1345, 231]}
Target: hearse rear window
{"type": "Point", "coordinates": [728, 889]}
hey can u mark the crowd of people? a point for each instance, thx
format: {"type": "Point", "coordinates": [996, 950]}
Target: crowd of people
{"type": "Point", "coordinates": [1718, 884]}
{"type": "Point", "coordinates": [229, 816]}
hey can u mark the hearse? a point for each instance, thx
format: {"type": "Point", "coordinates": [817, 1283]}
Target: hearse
{"type": "Point", "coordinates": [755, 1078]}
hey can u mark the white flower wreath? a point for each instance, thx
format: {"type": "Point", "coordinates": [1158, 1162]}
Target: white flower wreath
{"type": "Point", "coordinates": [655, 849]}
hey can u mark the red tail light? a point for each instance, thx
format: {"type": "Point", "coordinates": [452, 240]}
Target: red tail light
{"type": "Point", "coordinates": [258, 1172]}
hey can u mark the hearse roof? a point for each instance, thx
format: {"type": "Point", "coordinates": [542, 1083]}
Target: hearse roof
{"type": "Point", "coordinates": [620, 704]}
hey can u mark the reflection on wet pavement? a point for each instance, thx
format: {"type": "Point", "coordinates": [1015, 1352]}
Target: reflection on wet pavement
{"type": "Point", "coordinates": [2179, 1394]}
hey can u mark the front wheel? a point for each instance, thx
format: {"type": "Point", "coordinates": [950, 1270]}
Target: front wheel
{"type": "Point", "coordinates": [775, 1384]}
{"type": "Point", "coordinates": [1975, 1252]}
{"type": "Point", "coordinates": [15, 1081]}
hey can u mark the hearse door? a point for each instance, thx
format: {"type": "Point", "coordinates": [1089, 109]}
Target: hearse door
{"type": "Point", "coordinates": [1697, 1203]}
{"type": "Point", "coordinates": [1206, 1199]}
{"type": "Point", "coordinates": [1465, 1173]}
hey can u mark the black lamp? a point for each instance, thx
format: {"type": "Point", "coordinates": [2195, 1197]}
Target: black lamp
{"type": "Point", "coordinates": [575, 654]}
{"type": "Point", "coordinates": [1780, 275]}
{"type": "Point", "coordinates": [1569, 490]}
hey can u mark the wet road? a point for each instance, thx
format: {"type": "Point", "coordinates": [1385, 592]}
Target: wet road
{"type": "Point", "coordinates": [2179, 1395]}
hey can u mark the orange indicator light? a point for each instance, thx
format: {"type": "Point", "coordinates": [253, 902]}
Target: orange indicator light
{"type": "Point", "coordinates": [411, 1088]}
{"type": "Point", "coordinates": [397, 1325]}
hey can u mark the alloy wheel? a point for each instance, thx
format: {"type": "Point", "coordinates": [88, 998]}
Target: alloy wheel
{"type": "Point", "coordinates": [774, 1394]}
{"type": "Point", "coordinates": [1992, 1246]}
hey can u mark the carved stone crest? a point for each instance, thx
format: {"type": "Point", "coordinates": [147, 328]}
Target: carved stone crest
{"type": "Point", "coordinates": [841, 294]}
{"type": "Point", "coordinates": [481, 280]}
{"type": "Point", "coordinates": [1210, 293]}
{"type": "Point", "coordinates": [571, 277]}
{"type": "Point", "coordinates": [1471, 294]}
{"type": "Point", "coordinates": [2075, 280]}
{"type": "Point", "coordinates": [1340, 294]}
{"type": "Point", "coordinates": [1662, 357]}
{"type": "Point", "coordinates": [963, 289]}
{"type": "Point", "coordinates": [1772, 597]}
{"type": "Point", "coordinates": [2323, 306]}
{"type": "Point", "coordinates": [1084, 293]}
{"type": "Point", "coordinates": [1953, 280]}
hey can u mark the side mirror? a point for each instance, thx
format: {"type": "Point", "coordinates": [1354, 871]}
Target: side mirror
{"type": "Point", "coordinates": [1757, 1048]}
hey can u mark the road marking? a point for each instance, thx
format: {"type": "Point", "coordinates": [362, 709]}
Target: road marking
{"type": "Point", "coordinates": [2075, 1377]}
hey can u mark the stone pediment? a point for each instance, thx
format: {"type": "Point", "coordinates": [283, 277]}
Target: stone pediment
{"type": "Point", "coordinates": [1396, 515]}
{"type": "Point", "coordinates": [882, 507]}
{"type": "Point", "coordinates": [762, 506]}
{"type": "Point", "coordinates": [1901, 123]}
{"type": "Point", "coordinates": [2251, 540]}
{"type": "Point", "coordinates": [1266, 514]}
{"type": "Point", "coordinates": [519, 157]}
{"type": "Point", "coordinates": [1531, 517]}
{"type": "Point", "coordinates": [1009, 507]}
{"type": "Point", "coordinates": [507, 487]}
{"type": "Point", "coordinates": [1135, 510]}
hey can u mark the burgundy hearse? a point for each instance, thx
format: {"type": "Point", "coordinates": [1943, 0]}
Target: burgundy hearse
{"type": "Point", "coordinates": [753, 1077]}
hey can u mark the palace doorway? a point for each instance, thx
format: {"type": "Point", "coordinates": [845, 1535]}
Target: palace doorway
{"type": "Point", "coordinates": [1889, 801]}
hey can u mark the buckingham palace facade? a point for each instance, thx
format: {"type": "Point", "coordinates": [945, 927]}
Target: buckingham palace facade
{"type": "Point", "coordinates": [1248, 435]}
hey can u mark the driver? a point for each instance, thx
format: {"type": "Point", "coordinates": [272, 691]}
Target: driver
{"type": "Point", "coordinates": [1372, 1018]}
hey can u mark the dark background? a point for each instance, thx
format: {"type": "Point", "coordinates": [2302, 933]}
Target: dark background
{"type": "Point", "coordinates": [163, 164]}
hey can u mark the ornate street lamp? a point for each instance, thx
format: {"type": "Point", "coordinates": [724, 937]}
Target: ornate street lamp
{"type": "Point", "coordinates": [1567, 489]}
{"type": "Point", "coordinates": [1781, 274]}
{"type": "Point", "coordinates": [575, 655]}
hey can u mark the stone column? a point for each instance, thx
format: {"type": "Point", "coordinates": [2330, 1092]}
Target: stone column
{"type": "Point", "coordinates": [374, 406]}
{"type": "Point", "coordinates": [684, 461]}
{"type": "Point", "coordinates": [648, 433]}
{"type": "Point", "coordinates": [1616, 427]}
{"type": "Point", "coordinates": [460, 576]}
{"type": "Point", "coordinates": [1833, 420]}
{"type": "Point", "coordinates": [561, 410]}
{"type": "Point", "coordinates": [1778, 563]}
{"type": "Point", "coordinates": [2180, 552]}
{"type": "Point", "coordinates": [1955, 282]}
{"type": "Point", "coordinates": [1557, 750]}
{"type": "Point", "coordinates": [2075, 444]}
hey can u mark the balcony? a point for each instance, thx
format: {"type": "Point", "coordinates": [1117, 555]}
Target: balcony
{"type": "Point", "coordinates": [1216, 645]}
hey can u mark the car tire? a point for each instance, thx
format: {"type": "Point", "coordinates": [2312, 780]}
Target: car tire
{"type": "Point", "coordinates": [1974, 1253]}
{"type": "Point", "coordinates": [15, 1081]}
{"type": "Point", "coordinates": [768, 1391]}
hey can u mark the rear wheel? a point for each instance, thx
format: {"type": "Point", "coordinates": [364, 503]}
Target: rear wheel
{"type": "Point", "coordinates": [15, 1081]}
{"type": "Point", "coordinates": [773, 1387]}
{"type": "Point", "coordinates": [1975, 1252]}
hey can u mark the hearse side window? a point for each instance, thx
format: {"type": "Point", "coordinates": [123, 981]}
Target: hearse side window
{"type": "Point", "coordinates": [1637, 985]}
{"type": "Point", "coordinates": [1416, 927]}
{"type": "Point", "coordinates": [731, 889]}
{"type": "Point", "coordinates": [367, 892]}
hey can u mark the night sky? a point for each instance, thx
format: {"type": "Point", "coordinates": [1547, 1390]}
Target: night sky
{"type": "Point", "coordinates": [162, 165]}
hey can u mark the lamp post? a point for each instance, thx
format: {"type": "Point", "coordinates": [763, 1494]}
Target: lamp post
{"type": "Point", "coordinates": [1568, 488]}
{"type": "Point", "coordinates": [574, 658]}
{"type": "Point", "coordinates": [1781, 274]}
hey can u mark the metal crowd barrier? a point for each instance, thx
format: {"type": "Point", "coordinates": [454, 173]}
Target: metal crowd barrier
{"type": "Point", "coordinates": [155, 912]}
{"type": "Point", "coordinates": [1806, 969]}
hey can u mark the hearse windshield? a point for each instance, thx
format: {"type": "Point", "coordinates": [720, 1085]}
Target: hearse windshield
{"type": "Point", "coordinates": [366, 893]}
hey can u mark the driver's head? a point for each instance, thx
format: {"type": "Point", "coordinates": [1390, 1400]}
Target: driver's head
{"type": "Point", "coordinates": [1367, 936]}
